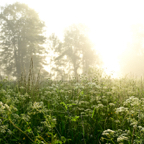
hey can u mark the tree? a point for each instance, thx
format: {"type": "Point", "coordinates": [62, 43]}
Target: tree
{"type": "Point", "coordinates": [54, 49]}
{"type": "Point", "coordinates": [21, 38]}
{"type": "Point", "coordinates": [78, 48]}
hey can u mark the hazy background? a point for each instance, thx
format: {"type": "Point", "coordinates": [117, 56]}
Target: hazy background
{"type": "Point", "coordinates": [116, 29]}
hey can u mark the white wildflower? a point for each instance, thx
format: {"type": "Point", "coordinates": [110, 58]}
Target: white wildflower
{"type": "Point", "coordinates": [1, 103]}
{"type": "Point", "coordinates": [98, 98]}
{"type": "Point", "coordinates": [25, 117]}
{"type": "Point", "coordinates": [7, 107]}
{"type": "Point", "coordinates": [105, 133]}
{"type": "Point", "coordinates": [98, 87]}
{"type": "Point", "coordinates": [37, 105]}
{"type": "Point", "coordinates": [9, 131]}
{"type": "Point", "coordinates": [100, 106]}
{"type": "Point", "coordinates": [109, 93]}
{"type": "Point", "coordinates": [113, 88]}
{"type": "Point", "coordinates": [111, 104]}
{"type": "Point", "coordinates": [132, 112]}
{"type": "Point", "coordinates": [121, 109]}
{"type": "Point", "coordinates": [140, 127]}
{"type": "Point", "coordinates": [85, 102]}
{"type": "Point", "coordinates": [47, 93]}
{"type": "Point", "coordinates": [99, 102]}
{"type": "Point", "coordinates": [117, 121]}
{"type": "Point", "coordinates": [104, 87]}
{"type": "Point", "coordinates": [3, 128]}
{"type": "Point", "coordinates": [133, 101]}
{"type": "Point", "coordinates": [26, 95]}
{"type": "Point", "coordinates": [128, 132]}
{"type": "Point", "coordinates": [142, 130]}
{"type": "Point", "coordinates": [103, 97]}
{"type": "Point", "coordinates": [22, 87]}
{"type": "Point", "coordinates": [2, 107]}
{"type": "Point", "coordinates": [122, 138]}
{"type": "Point", "coordinates": [108, 132]}
{"type": "Point", "coordinates": [15, 109]}
{"type": "Point", "coordinates": [2, 91]}
{"type": "Point", "coordinates": [16, 116]}
{"type": "Point", "coordinates": [134, 123]}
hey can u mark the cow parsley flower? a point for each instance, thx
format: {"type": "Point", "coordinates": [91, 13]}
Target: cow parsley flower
{"type": "Point", "coordinates": [108, 132]}
{"type": "Point", "coordinates": [117, 121]}
{"type": "Point", "coordinates": [133, 101]}
{"type": "Point", "coordinates": [121, 109]}
{"type": "Point", "coordinates": [100, 106]}
{"type": "Point", "coordinates": [7, 107]}
{"type": "Point", "coordinates": [122, 138]}
{"type": "Point", "coordinates": [142, 130]}
{"type": "Point", "coordinates": [111, 104]}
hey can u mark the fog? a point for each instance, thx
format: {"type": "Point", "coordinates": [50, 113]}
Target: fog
{"type": "Point", "coordinates": [67, 38]}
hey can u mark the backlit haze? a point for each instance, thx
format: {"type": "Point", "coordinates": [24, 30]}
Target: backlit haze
{"type": "Point", "coordinates": [109, 21]}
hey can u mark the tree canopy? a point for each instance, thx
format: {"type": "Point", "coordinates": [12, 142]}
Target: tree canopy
{"type": "Point", "coordinates": [76, 51]}
{"type": "Point", "coordinates": [21, 38]}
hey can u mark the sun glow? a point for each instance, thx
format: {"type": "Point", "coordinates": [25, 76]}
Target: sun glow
{"type": "Point", "coordinates": [109, 21]}
{"type": "Point", "coordinates": [111, 43]}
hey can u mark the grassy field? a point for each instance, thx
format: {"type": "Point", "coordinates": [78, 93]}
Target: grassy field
{"type": "Point", "coordinates": [93, 109]}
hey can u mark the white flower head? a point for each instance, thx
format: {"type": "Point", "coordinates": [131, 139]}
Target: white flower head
{"type": "Point", "coordinates": [111, 104]}
{"type": "Point", "coordinates": [121, 109]}
{"type": "Point", "coordinates": [133, 101]}
{"type": "Point", "coordinates": [108, 132]}
{"type": "Point", "coordinates": [7, 107]}
{"type": "Point", "coordinates": [117, 121]}
{"type": "Point", "coordinates": [122, 138]}
{"type": "Point", "coordinates": [140, 127]}
{"type": "Point", "coordinates": [142, 130]}
{"type": "Point", "coordinates": [100, 106]}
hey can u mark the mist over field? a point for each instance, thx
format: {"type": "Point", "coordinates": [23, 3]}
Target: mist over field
{"type": "Point", "coordinates": [71, 71]}
{"type": "Point", "coordinates": [113, 35]}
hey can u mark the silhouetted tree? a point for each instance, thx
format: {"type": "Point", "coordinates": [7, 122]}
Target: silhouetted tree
{"type": "Point", "coordinates": [78, 48]}
{"type": "Point", "coordinates": [21, 37]}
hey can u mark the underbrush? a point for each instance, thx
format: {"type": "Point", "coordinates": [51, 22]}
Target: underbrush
{"type": "Point", "coordinates": [90, 110]}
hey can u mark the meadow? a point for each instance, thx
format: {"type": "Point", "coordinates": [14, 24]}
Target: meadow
{"type": "Point", "coordinates": [91, 109]}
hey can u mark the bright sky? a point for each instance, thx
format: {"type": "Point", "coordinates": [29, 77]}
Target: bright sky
{"type": "Point", "coordinates": [109, 22]}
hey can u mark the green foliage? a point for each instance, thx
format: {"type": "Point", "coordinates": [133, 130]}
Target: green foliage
{"type": "Point", "coordinates": [21, 37]}
{"type": "Point", "coordinates": [94, 109]}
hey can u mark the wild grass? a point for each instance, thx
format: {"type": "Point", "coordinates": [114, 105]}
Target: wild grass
{"type": "Point", "coordinates": [91, 109]}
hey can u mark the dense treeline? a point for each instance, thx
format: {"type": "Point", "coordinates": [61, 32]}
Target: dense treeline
{"type": "Point", "coordinates": [22, 37]}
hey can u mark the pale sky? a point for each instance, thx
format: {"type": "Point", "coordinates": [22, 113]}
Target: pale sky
{"type": "Point", "coordinates": [109, 22]}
